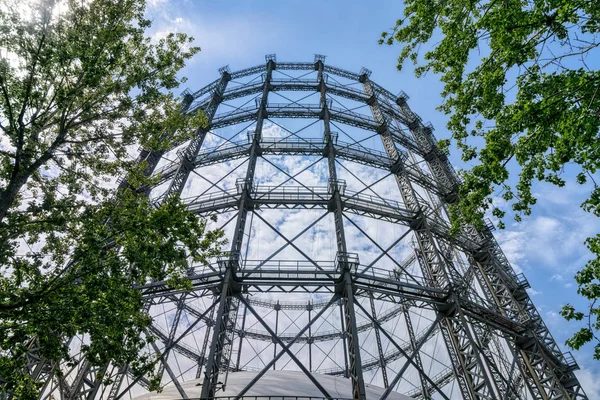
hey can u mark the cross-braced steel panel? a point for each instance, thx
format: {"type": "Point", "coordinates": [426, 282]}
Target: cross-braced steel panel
{"type": "Point", "coordinates": [333, 194]}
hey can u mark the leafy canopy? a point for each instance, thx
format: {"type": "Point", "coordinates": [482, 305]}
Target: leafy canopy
{"type": "Point", "coordinates": [81, 85]}
{"type": "Point", "coordinates": [521, 87]}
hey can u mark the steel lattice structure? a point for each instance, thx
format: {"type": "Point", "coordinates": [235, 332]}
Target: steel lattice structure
{"type": "Point", "coordinates": [300, 153]}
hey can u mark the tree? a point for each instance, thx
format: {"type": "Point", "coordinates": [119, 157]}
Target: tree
{"type": "Point", "coordinates": [521, 87]}
{"type": "Point", "coordinates": [80, 85]}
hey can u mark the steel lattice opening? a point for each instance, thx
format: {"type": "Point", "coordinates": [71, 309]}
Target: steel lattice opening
{"type": "Point", "coordinates": [334, 196]}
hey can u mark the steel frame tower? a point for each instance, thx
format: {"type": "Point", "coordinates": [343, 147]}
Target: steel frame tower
{"type": "Point", "coordinates": [422, 312]}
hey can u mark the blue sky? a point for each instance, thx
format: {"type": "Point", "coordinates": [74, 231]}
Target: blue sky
{"type": "Point", "coordinates": [547, 246]}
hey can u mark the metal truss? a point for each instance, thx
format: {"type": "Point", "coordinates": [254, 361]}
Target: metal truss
{"type": "Point", "coordinates": [449, 319]}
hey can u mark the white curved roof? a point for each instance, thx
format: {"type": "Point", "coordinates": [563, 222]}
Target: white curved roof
{"type": "Point", "coordinates": [275, 383]}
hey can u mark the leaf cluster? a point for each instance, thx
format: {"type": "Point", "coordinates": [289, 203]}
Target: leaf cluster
{"type": "Point", "coordinates": [81, 87]}
{"type": "Point", "coordinates": [521, 95]}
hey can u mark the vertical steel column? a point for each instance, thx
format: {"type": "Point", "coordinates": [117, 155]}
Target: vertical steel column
{"type": "Point", "coordinates": [213, 363]}
{"type": "Point", "coordinates": [277, 309]}
{"type": "Point", "coordinates": [153, 157]}
{"type": "Point", "coordinates": [417, 355]}
{"type": "Point", "coordinates": [219, 338]}
{"type": "Point", "coordinates": [379, 346]}
{"type": "Point", "coordinates": [484, 333]}
{"type": "Point", "coordinates": [185, 167]}
{"type": "Point", "coordinates": [309, 308]}
{"type": "Point", "coordinates": [358, 385]}
{"type": "Point", "coordinates": [118, 381]}
{"type": "Point", "coordinates": [541, 362]}
{"type": "Point", "coordinates": [241, 335]}
{"type": "Point", "coordinates": [203, 357]}
{"type": "Point", "coordinates": [87, 375]}
{"type": "Point", "coordinates": [191, 152]}
{"type": "Point", "coordinates": [471, 371]}
{"type": "Point", "coordinates": [344, 334]}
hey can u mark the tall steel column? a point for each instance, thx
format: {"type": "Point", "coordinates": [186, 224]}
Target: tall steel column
{"type": "Point", "coordinates": [228, 302]}
{"type": "Point", "coordinates": [346, 292]}
{"type": "Point", "coordinates": [473, 377]}
{"type": "Point", "coordinates": [506, 289]}
{"type": "Point", "coordinates": [188, 155]}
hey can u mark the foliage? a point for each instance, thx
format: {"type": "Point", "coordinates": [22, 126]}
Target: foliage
{"type": "Point", "coordinates": [521, 86]}
{"type": "Point", "coordinates": [80, 85]}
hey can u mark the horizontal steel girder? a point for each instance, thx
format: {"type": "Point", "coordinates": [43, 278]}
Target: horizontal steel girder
{"type": "Point", "coordinates": [309, 147]}
{"type": "Point", "coordinates": [275, 276]}
{"type": "Point", "coordinates": [321, 336]}
{"type": "Point", "coordinates": [307, 84]}
{"type": "Point", "coordinates": [291, 197]}
{"type": "Point", "coordinates": [314, 111]}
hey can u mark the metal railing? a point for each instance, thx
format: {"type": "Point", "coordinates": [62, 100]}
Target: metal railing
{"type": "Point", "coordinates": [274, 397]}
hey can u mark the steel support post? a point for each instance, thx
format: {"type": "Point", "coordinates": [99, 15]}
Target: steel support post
{"type": "Point", "coordinates": [356, 373]}
{"type": "Point", "coordinates": [355, 366]}
{"type": "Point", "coordinates": [416, 354]}
{"type": "Point", "coordinates": [540, 360]}
{"type": "Point", "coordinates": [241, 336]}
{"type": "Point", "coordinates": [277, 309]}
{"type": "Point", "coordinates": [309, 308]}
{"type": "Point", "coordinates": [489, 280]}
{"type": "Point", "coordinates": [118, 380]}
{"type": "Point", "coordinates": [88, 375]}
{"type": "Point", "coordinates": [210, 322]}
{"type": "Point", "coordinates": [344, 342]}
{"type": "Point", "coordinates": [497, 294]}
{"type": "Point", "coordinates": [382, 362]}
{"type": "Point", "coordinates": [187, 156]}
{"type": "Point", "coordinates": [484, 333]}
{"type": "Point", "coordinates": [550, 377]}
{"type": "Point", "coordinates": [219, 339]}
{"type": "Point", "coordinates": [473, 374]}
{"type": "Point", "coordinates": [153, 157]}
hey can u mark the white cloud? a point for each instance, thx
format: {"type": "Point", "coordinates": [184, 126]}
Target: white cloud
{"type": "Point", "coordinates": [569, 195]}
{"type": "Point", "coordinates": [513, 246]}
{"type": "Point", "coordinates": [156, 3]}
{"type": "Point", "coordinates": [590, 381]}
{"type": "Point", "coordinates": [553, 243]}
{"type": "Point", "coordinates": [227, 37]}
{"type": "Point", "coordinates": [552, 317]}
{"type": "Point", "coordinates": [552, 239]}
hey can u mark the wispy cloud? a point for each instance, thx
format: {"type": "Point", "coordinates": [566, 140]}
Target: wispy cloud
{"type": "Point", "coordinates": [221, 37]}
{"type": "Point", "coordinates": [590, 382]}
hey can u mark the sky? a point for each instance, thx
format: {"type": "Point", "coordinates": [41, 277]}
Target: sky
{"type": "Point", "coordinates": [547, 246]}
